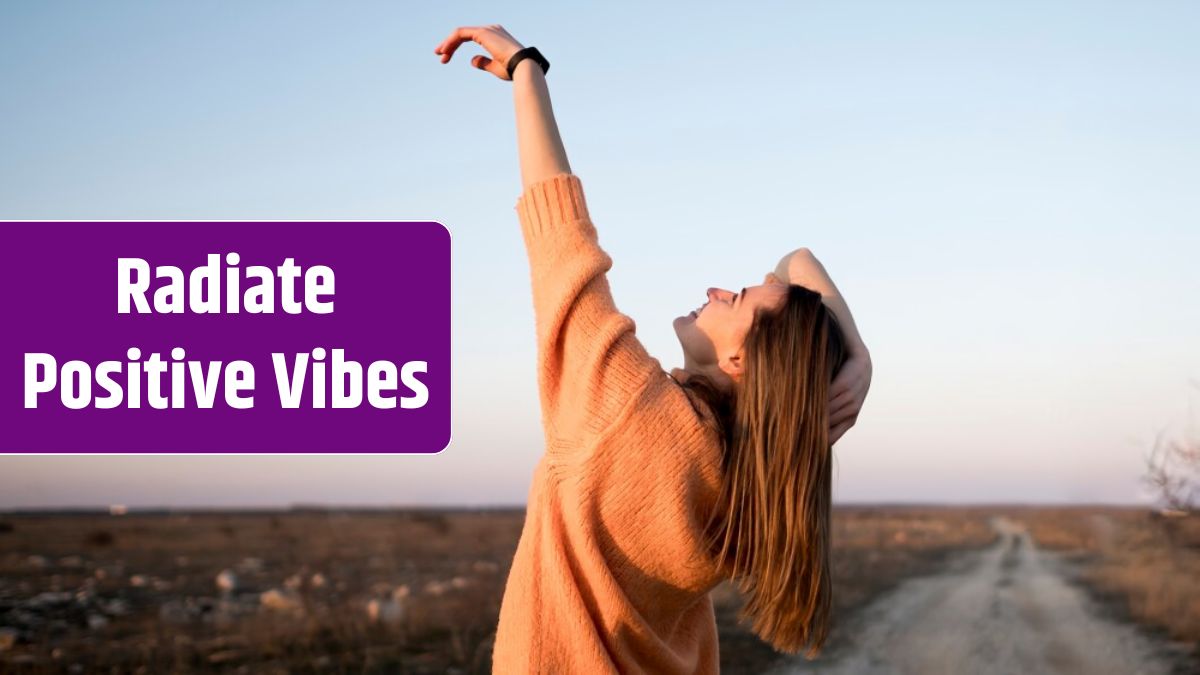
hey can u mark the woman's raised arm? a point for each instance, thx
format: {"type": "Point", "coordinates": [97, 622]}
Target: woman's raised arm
{"type": "Point", "coordinates": [538, 142]}
{"type": "Point", "coordinates": [591, 366]}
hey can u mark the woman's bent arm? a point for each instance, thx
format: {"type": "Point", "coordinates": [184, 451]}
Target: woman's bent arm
{"type": "Point", "coordinates": [849, 389]}
{"type": "Point", "coordinates": [802, 267]}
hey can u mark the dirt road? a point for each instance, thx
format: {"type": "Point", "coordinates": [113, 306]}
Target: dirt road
{"type": "Point", "coordinates": [1004, 610]}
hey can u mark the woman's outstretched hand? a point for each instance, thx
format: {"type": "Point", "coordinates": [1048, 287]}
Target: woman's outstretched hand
{"type": "Point", "coordinates": [498, 43]}
{"type": "Point", "coordinates": [848, 392]}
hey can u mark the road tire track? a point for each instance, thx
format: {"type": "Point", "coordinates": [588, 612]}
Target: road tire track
{"type": "Point", "coordinates": [1007, 609]}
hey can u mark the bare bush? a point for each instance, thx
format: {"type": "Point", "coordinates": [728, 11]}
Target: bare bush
{"type": "Point", "coordinates": [1173, 471]}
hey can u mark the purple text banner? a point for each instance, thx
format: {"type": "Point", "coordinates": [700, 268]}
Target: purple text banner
{"type": "Point", "coordinates": [225, 337]}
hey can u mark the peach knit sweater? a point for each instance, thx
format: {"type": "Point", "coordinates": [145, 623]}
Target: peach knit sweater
{"type": "Point", "coordinates": [610, 575]}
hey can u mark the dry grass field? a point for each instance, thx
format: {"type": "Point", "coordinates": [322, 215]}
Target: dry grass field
{"type": "Point", "coordinates": [415, 591]}
{"type": "Point", "coordinates": [1140, 563]}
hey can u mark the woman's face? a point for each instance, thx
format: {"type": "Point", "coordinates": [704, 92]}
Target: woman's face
{"type": "Point", "coordinates": [713, 334]}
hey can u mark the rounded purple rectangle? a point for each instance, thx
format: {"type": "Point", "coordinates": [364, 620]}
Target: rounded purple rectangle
{"type": "Point", "coordinates": [391, 303]}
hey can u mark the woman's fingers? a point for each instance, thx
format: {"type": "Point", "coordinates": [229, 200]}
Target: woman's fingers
{"type": "Point", "coordinates": [838, 431]}
{"type": "Point", "coordinates": [452, 43]}
{"type": "Point", "coordinates": [499, 45]}
{"type": "Point", "coordinates": [848, 412]}
{"type": "Point", "coordinates": [484, 63]}
{"type": "Point", "coordinates": [840, 397]}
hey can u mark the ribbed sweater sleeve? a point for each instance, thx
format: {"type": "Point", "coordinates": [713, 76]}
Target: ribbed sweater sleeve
{"type": "Point", "coordinates": [590, 363]}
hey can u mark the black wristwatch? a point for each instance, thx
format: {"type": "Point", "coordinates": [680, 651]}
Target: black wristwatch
{"type": "Point", "coordinates": [527, 53]}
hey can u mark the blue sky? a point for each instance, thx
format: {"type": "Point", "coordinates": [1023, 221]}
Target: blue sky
{"type": "Point", "coordinates": [1005, 192]}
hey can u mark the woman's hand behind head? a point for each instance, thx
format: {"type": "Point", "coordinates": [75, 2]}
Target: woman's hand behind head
{"type": "Point", "coordinates": [848, 392]}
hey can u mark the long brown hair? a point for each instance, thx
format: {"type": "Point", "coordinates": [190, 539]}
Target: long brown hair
{"type": "Point", "coordinates": [770, 528]}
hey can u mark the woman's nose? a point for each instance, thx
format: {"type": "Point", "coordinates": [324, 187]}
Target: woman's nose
{"type": "Point", "coordinates": [715, 292]}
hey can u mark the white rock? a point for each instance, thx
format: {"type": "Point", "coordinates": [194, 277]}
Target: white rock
{"type": "Point", "coordinates": [392, 609]}
{"type": "Point", "coordinates": [385, 611]}
{"type": "Point", "coordinates": [138, 580]}
{"type": "Point", "coordinates": [318, 580]}
{"type": "Point", "coordinates": [116, 607]}
{"type": "Point", "coordinates": [280, 600]}
{"type": "Point", "coordinates": [227, 581]}
{"type": "Point", "coordinates": [485, 567]}
{"type": "Point", "coordinates": [97, 621]}
{"type": "Point", "coordinates": [48, 598]}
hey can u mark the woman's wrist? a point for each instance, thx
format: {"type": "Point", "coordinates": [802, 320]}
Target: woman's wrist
{"type": "Point", "coordinates": [526, 68]}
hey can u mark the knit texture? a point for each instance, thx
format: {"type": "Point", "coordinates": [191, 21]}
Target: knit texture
{"type": "Point", "coordinates": [611, 573]}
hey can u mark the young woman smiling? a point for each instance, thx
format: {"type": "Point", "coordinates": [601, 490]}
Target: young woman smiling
{"type": "Point", "coordinates": [654, 486]}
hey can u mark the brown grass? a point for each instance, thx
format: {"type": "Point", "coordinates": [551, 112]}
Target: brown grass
{"type": "Point", "coordinates": [1142, 564]}
{"type": "Point", "coordinates": [161, 566]}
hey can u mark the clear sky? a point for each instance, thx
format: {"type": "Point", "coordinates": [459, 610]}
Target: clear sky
{"type": "Point", "coordinates": [1006, 193]}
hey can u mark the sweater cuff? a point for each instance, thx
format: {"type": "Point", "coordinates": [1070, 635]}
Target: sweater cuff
{"type": "Point", "coordinates": [552, 201]}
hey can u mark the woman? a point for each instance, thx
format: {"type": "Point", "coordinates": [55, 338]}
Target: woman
{"type": "Point", "coordinates": [655, 487]}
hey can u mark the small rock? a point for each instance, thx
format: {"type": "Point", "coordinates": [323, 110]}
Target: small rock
{"type": "Point", "coordinates": [97, 621]}
{"type": "Point", "coordinates": [174, 611]}
{"type": "Point", "coordinates": [8, 638]}
{"type": "Point", "coordinates": [390, 610]}
{"type": "Point", "coordinates": [485, 567]}
{"type": "Point", "coordinates": [138, 580]}
{"type": "Point", "coordinates": [318, 580]}
{"type": "Point", "coordinates": [227, 581]}
{"type": "Point", "coordinates": [37, 561]}
{"type": "Point", "coordinates": [225, 656]}
{"type": "Point", "coordinates": [116, 607]}
{"type": "Point", "coordinates": [280, 601]}
{"type": "Point", "coordinates": [385, 611]}
{"type": "Point", "coordinates": [49, 599]}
